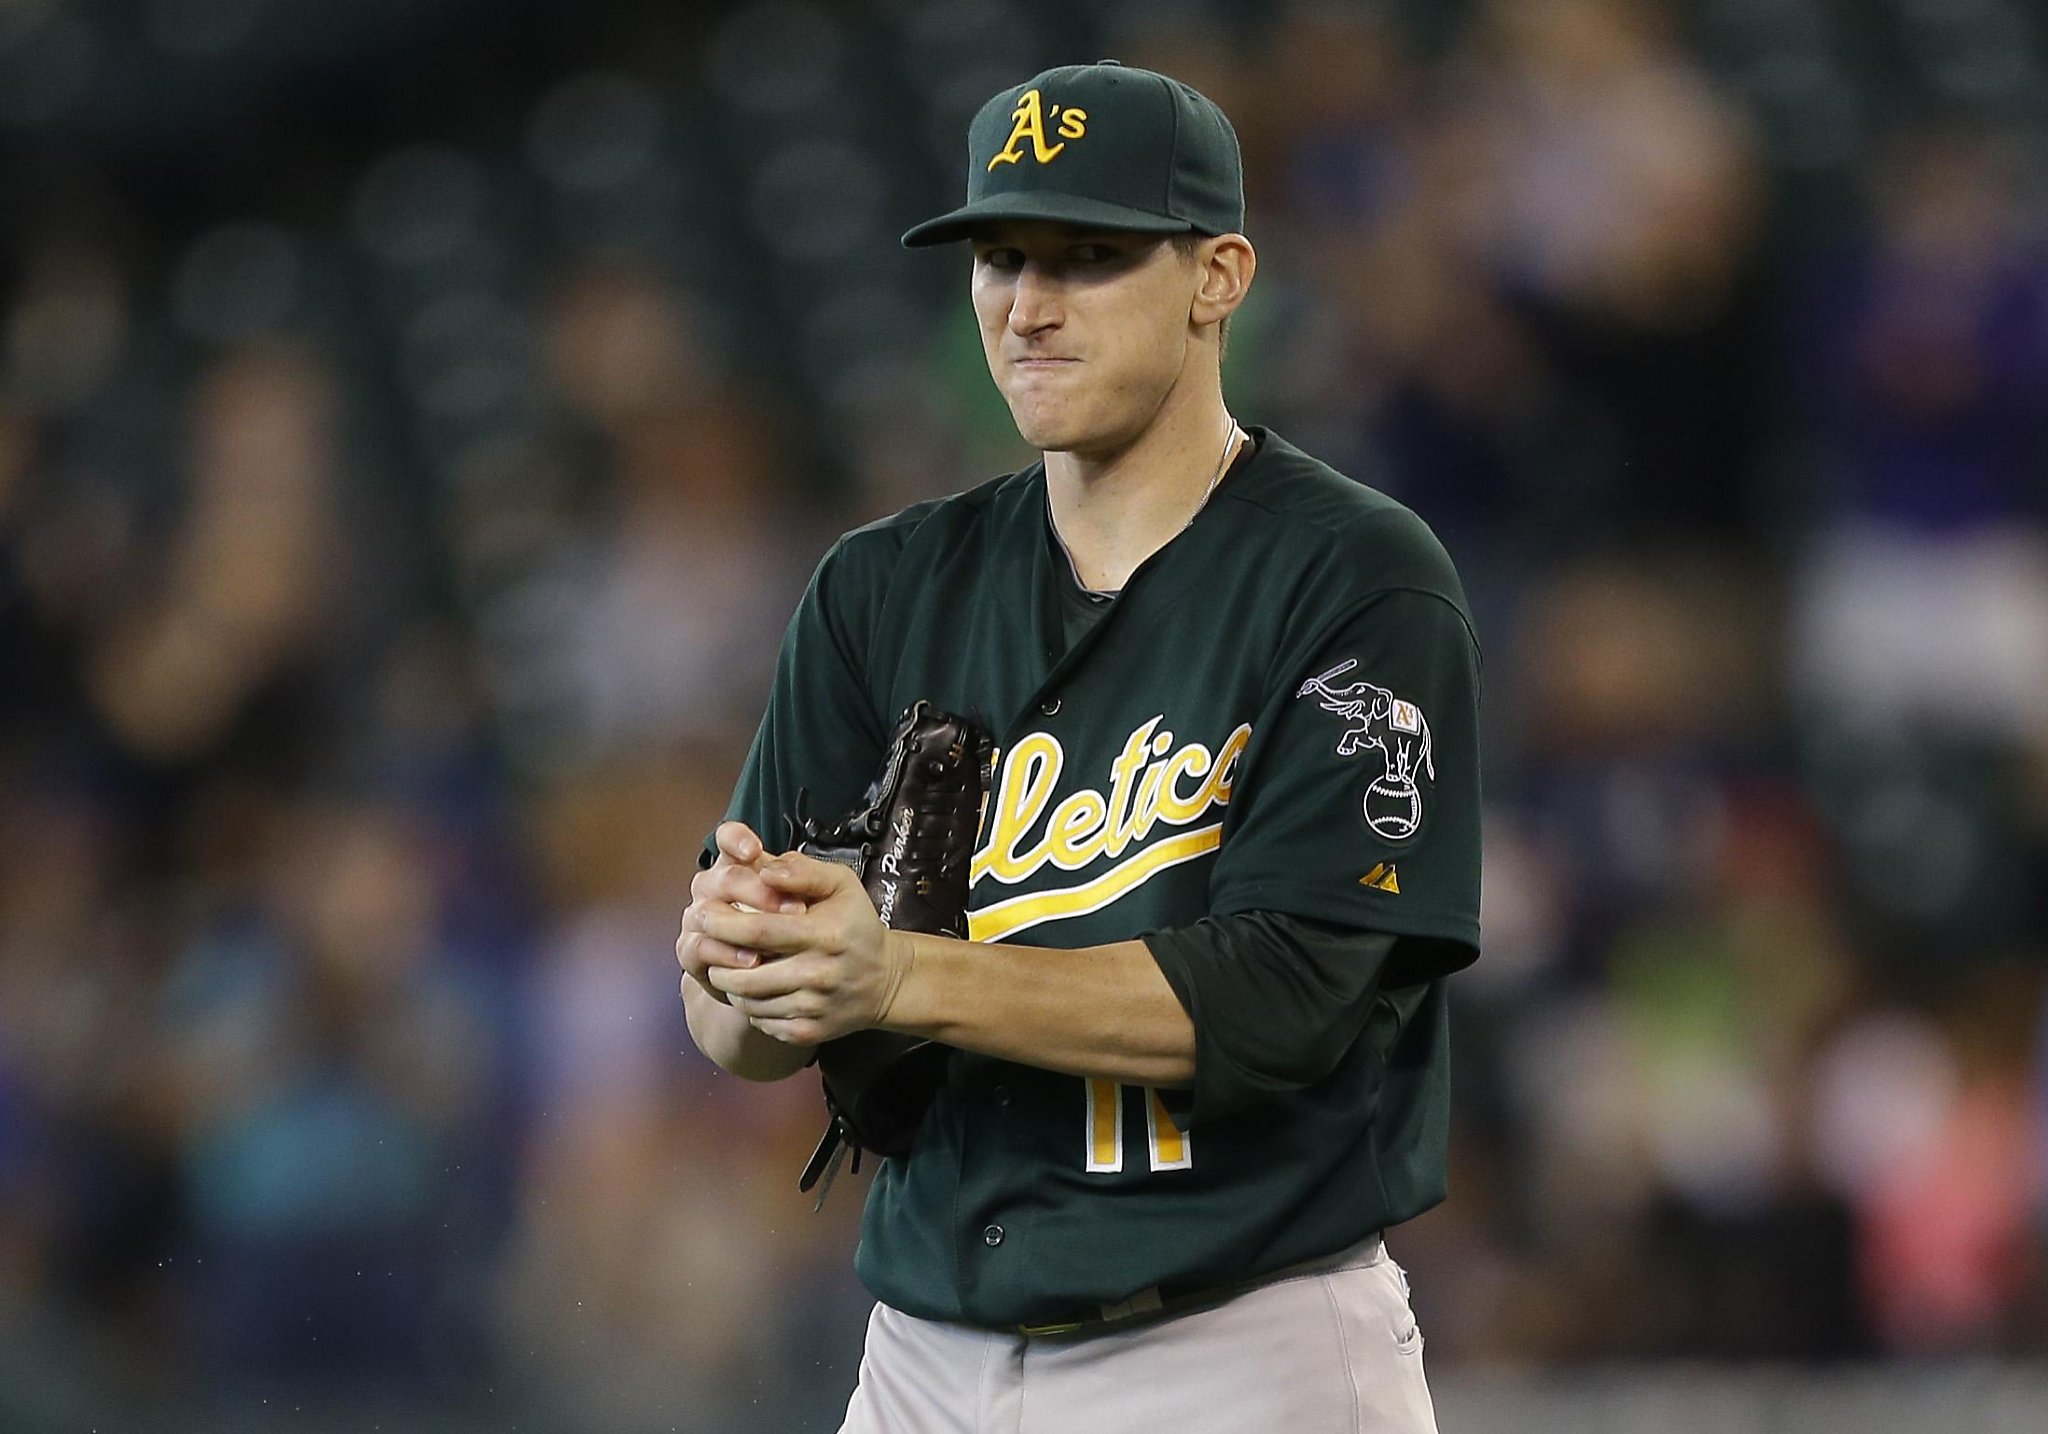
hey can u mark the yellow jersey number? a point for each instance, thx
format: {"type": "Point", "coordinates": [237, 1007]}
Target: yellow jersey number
{"type": "Point", "coordinates": [1168, 1145]}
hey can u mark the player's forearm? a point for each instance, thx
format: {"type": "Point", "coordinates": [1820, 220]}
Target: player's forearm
{"type": "Point", "coordinates": [731, 1041]}
{"type": "Point", "coordinates": [1104, 1012]}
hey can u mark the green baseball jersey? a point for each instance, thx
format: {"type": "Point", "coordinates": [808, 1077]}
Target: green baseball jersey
{"type": "Point", "coordinates": [1276, 718]}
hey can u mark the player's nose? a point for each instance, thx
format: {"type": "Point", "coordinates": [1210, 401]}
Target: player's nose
{"type": "Point", "coordinates": [1034, 302]}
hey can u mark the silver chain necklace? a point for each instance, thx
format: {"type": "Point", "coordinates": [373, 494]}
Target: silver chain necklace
{"type": "Point", "coordinates": [1222, 462]}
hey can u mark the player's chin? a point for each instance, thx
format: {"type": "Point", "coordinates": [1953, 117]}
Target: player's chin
{"type": "Point", "coordinates": [1049, 430]}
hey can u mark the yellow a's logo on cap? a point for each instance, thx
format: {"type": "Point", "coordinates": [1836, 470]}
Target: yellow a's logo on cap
{"type": "Point", "coordinates": [1027, 121]}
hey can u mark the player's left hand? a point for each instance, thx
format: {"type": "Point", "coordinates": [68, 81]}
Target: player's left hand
{"type": "Point", "coordinates": [834, 969]}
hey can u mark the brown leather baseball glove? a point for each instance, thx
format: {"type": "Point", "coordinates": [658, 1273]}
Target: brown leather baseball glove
{"type": "Point", "coordinates": [911, 842]}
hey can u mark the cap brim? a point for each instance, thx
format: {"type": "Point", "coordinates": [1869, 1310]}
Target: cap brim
{"type": "Point", "coordinates": [1058, 208]}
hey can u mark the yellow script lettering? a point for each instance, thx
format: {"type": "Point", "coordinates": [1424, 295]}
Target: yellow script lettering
{"type": "Point", "coordinates": [1021, 799]}
{"type": "Point", "coordinates": [1121, 771]}
{"type": "Point", "coordinates": [1086, 824]}
{"type": "Point", "coordinates": [1074, 836]}
{"type": "Point", "coordinates": [1027, 121]}
{"type": "Point", "coordinates": [1190, 761]}
{"type": "Point", "coordinates": [1217, 788]}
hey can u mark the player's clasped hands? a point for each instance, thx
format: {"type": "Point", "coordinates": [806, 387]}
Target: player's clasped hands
{"type": "Point", "coordinates": [790, 942]}
{"type": "Point", "coordinates": [733, 881]}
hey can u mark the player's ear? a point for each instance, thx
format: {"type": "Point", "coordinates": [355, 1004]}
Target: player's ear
{"type": "Point", "coordinates": [1227, 263]}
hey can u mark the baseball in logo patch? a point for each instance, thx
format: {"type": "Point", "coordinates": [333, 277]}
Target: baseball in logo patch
{"type": "Point", "coordinates": [1394, 732]}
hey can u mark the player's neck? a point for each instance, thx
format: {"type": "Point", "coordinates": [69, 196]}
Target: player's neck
{"type": "Point", "coordinates": [1115, 509]}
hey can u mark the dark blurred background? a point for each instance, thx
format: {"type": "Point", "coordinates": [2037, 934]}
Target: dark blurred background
{"type": "Point", "coordinates": [418, 417]}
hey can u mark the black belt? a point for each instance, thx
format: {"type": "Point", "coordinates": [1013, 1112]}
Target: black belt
{"type": "Point", "coordinates": [1155, 1302]}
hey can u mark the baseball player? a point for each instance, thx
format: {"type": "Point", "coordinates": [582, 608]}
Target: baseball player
{"type": "Point", "coordinates": [1230, 854]}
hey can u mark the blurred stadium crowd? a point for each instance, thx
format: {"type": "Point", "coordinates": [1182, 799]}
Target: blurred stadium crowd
{"type": "Point", "coordinates": [417, 421]}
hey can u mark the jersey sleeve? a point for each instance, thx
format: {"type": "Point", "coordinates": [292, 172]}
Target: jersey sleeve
{"type": "Point", "coordinates": [820, 734]}
{"type": "Point", "coordinates": [1358, 802]}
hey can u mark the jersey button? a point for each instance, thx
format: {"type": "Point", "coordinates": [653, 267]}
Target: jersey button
{"type": "Point", "coordinates": [1050, 707]}
{"type": "Point", "coordinates": [992, 1236]}
{"type": "Point", "coordinates": [1002, 1095]}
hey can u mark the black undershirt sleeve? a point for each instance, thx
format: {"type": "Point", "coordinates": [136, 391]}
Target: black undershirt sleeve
{"type": "Point", "coordinates": [1276, 1001]}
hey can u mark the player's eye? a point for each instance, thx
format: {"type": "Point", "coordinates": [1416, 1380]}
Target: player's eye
{"type": "Point", "coordinates": [1005, 260]}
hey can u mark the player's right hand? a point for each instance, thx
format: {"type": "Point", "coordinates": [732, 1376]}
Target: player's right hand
{"type": "Point", "coordinates": [732, 882]}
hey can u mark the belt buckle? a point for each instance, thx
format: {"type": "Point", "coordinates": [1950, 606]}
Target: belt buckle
{"type": "Point", "coordinates": [1144, 1302]}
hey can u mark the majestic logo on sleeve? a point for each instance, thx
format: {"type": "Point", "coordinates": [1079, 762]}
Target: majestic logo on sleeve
{"type": "Point", "coordinates": [1027, 122]}
{"type": "Point", "coordinates": [1152, 783]}
{"type": "Point", "coordinates": [1378, 721]}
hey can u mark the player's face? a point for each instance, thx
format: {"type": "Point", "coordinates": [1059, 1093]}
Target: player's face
{"type": "Point", "coordinates": [1086, 331]}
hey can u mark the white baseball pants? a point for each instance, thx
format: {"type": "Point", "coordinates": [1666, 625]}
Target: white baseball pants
{"type": "Point", "coordinates": [1331, 1349]}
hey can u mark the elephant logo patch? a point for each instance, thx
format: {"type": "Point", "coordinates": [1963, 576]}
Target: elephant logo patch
{"type": "Point", "coordinates": [1378, 721]}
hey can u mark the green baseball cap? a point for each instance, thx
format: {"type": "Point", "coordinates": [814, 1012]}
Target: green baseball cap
{"type": "Point", "coordinates": [1106, 145]}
